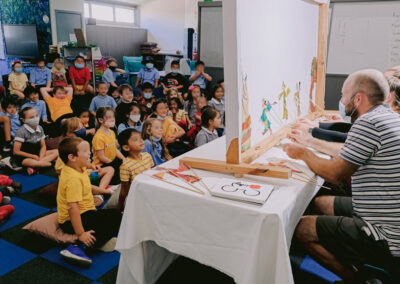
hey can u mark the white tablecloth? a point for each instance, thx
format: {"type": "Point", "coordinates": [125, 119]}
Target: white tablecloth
{"type": "Point", "coordinates": [247, 242]}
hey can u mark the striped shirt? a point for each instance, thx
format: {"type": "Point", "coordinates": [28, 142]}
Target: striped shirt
{"type": "Point", "coordinates": [130, 168]}
{"type": "Point", "coordinates": [373, 144]}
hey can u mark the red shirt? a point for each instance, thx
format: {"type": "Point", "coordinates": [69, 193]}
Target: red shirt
{"type": "Point", "coordinates": [79, 75]}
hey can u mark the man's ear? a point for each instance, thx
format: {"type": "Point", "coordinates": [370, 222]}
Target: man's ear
{"type": "Point", "coordinates": [390, 97]}
{"type": "Point", "coordinates": [125, 148]}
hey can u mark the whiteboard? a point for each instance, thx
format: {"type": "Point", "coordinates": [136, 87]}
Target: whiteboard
{"type": "Point", "coordinates": [211, 44]}
{"type": "Point", "coordinates": [364, 35]}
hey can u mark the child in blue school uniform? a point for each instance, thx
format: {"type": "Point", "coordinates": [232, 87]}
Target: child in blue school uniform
{"type": "Point", "coordinates": [199, 77]}
{"type": "Point", "coordinates": [152, 134]}
{"type": "Point", "coordinates": [149, 74]}
{"type": "Point", "coordinates": [102, 99]}
{"type": "Point", "coordinates": [10, 110]}
{"type": "Point", "coordinates": [32, 95]}
{"type": "Point", "coordinates": [40, 76]}
{"type": "Point", "coordinates": [133, 119]}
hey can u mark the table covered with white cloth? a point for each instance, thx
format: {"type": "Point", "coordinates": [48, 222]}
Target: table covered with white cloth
{"type": "Point", "coordinates": [248, 242]}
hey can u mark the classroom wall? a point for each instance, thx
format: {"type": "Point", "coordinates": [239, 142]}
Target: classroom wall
{"type": "Point", "coordinates": [167, 20]}
{"type": "Point", "coordinates": [19, 12]}
{"type": "Point", "coordinates": [65, 5]}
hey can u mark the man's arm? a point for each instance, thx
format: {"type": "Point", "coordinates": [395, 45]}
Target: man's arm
{"type": "Point", "coordinates": [305, 139]}
{"type": "Point", "coordinates": [334, 170]}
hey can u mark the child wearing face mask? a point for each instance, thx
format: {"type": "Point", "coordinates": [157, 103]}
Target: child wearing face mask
{"type": "Point", "coordinates": [146, 100]}
{"type": "Point", "coordinates": [18, 80]}
{"type": "Point", "coordinates": [87, 120]}
{"type": "Point", "coordinates": [40, 76]}
{"type": "Point", "coordinates": [112, 73]}
{"type": "Point", "coordinates": [152, 134]}
{"type": "Point", "coordinates": [174, 79]}
{"type": "Point", "coordinates": [148, 74]}
{"type": "Point", "coordinates": [80, 77]}
{"type": "Point", "coordinates": [133, 119]}
{"type": "Point", "coordinates": [29, 145]}
{"type": "Point", "coordinates": [104, 144]}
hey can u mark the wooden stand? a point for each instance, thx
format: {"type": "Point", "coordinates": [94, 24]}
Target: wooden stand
{"type": "Point", "coordinates": [233, 164]}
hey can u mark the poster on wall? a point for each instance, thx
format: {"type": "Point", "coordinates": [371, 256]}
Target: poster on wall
{"type": "Point", "coordinates": [275, 65]}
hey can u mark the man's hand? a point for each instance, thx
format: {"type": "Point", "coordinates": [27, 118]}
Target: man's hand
{"type": "Point", "coordinates": [87, 238]}
{"type": "Point", "coordinates": [294, 151]}
{"type": "Point", "coordinates": [301, 137]}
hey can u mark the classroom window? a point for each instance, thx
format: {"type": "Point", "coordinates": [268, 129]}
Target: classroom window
{"type": "Point", "coordinates": [109, 14]}
{"type": "Point", "coordinates": [124, 15]}
{"type": "Point", "coordinates": [86, 10]}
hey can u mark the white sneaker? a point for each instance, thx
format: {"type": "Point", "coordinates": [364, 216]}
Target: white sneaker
{"type": "Point", "coordinates": [113, 188]}
{"type": "Point", "coordinates": [109, 246]}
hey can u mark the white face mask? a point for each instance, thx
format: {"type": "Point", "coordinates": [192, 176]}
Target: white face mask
{"type": "Point", "coordinates": [110, 123]}
{"type": "Point", "coordinates": [147, 96]}
{"type": "Point", "coordinates": [33, 122]}
{"type": "Point", "coordinates": [149, 65]}
{"type": "Point", "coordinates": [134, 117]}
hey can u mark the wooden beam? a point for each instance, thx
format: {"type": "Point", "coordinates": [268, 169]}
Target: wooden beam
{"type": "Point", "coordinates": [269, 142]}
{"type": "Point", "coordinates": [241, 169]}
{"type": "Point", "coordinates": [321, 56]}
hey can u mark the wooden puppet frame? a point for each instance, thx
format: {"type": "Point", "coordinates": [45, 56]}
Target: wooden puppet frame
{"type": "Point", "coordinates": [233, 163]}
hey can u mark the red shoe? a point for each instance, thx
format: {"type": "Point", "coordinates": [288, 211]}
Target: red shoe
{"type": "Point", "coordinates": [30, 171]}
{"type": "Point", "coordinates": [5, 212]}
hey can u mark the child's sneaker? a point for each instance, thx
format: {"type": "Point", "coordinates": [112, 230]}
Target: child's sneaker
{"type": "Point", "coordinates": [109, 246]}
{"type": "Point", "coordinates": [7, 147]}
{"type": "Point", "coordinates": [30, 171]}
{"type": "Point", "coordinates": [76, 255]}
{"type": "Point", "coordinates": [112, 188]}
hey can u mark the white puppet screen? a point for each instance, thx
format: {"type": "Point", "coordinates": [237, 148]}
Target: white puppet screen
{"type": "Point", "coordinates": [277, 42]}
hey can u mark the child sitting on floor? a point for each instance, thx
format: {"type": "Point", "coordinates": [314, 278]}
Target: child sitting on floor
{"type": "Point", "coordinates": [10, 119]}
{"type": "Point", "coordinates": [18, 80]}
{"type": "Point", "coordinates": [32, 94]}
{"type": "Point", "coordinates": [217, 103]}
{"type": "Point", "coordinates": [102, 99]}
{"type": "Point", "coordinates": [126, 94]}
{"type": "Point", "coordinates": [76, 211]}
{"type": "Point", "coordinates": [146, 100]}
{"type": "Point", "coordinates": [190, 105]}
{"type": "Point", "coordinates": [40, 76]}
{"type": "Point", "coordinates": [154, 144]}
{"type": "Point", "coordinates": [72, 127]}
{"type": "Point", "coordinates": [210, 121]}
{"type": "Point", "coordinates": [80, 77]}
{"type": "Point", "coordinates": [136, 162]}
{"type": "Point", "coordinates": [176, 112]}
{"type": "Point", "coordinates": [105, 145]}
{"type": "Point", "coordinates": [58, 74]}
{"type": "Point", "coordinates": [133, 119]}
{"type": "Point", "coordinates": [199, 77]}
{"type": "Point", "coordinates": [29, 145]}
{"type": "Point", "coordinates": [148, 74]}
{"type": "Point", "coordinates": [60, 104]}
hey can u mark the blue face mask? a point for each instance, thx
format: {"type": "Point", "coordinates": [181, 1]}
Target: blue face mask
{"type": "Point", "coordinates": [155, 139]}
{"type": "Point", "coordinates": [19, 69]}
{"type": "Point", "coordinates": [81, 133]}
{"type": "Point", "coordinates": [342, 110]}
{"type": "Point", "coordinates": [79, 66]}
{"type": "Point", "coordinates": [160, 117]}
{"type": "Point", "coordinates": [149, 65]}
{"type": "Point", "coordinates": [175, 71]}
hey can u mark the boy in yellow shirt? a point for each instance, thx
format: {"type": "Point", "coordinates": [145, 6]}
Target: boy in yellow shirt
{"type": "Point", "coordinates": [76, 211]}
{"type": "Point", "coordinates": [136, 162]}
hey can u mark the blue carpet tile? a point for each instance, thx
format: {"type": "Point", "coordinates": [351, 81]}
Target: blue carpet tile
{"type": "Point", "coordinates": [16, 257]}
{"type": "Point", "coordinates": [32, 182]}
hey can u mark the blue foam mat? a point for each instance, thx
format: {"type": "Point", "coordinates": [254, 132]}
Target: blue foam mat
{"type": "Point", "coordinates": [12, 256]}
{"type": "Point", "coordinates": [311, 266]}
{"type": "Point", "coordinates": [32, 182]}
{"type": "Point", "coordinates": [24, 211]}
{"type": "Point", "coordinates": [102, 262]}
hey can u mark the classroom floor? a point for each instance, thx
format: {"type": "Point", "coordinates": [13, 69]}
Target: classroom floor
{"type": "Point", "coordinates": [29, 258]}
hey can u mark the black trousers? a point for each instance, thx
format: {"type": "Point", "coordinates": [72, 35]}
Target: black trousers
{"type": "Point", "coordinates": [104, 222]}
